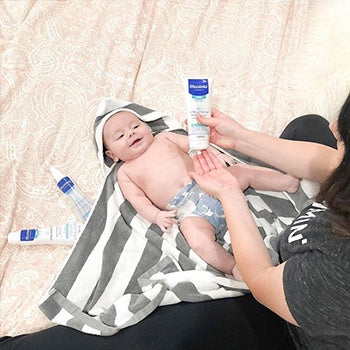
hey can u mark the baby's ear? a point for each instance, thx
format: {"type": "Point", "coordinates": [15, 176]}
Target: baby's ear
{"type": "Point", "coordinates": [111, 155]}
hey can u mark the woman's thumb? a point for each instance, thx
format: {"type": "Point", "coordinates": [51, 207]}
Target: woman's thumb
{"type": "Point", "coordinates": [205, 120]}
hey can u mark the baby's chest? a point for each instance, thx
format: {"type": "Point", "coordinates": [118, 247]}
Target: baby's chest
{"type": "Point", "coordinates": [155, 166]}
{"type": "Point", "coordinates": [163, 154]}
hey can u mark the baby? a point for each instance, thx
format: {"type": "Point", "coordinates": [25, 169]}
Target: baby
{"type": "Point", "coordinates": [155, 179]}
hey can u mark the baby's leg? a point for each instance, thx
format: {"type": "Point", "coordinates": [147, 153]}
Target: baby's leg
{"type": "Point", "coordinates": [236, 273]}
{"type": "Point", "coordinates": [261, 178]}
{"type": "Point", "coordinates": [200, 236]}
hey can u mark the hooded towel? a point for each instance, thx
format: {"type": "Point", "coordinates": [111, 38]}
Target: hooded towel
{"type": "Point", "coordinates": [122, 267]}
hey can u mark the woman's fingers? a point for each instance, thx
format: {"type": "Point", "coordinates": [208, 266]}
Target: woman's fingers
{"type": "Point", "coordinates": [197, 165]}
{"type": "Point", "coordinates": [214, 160]}
{"type": "Point", "coordinates": [206, 162]}
{"type": "Point", "coordinates": [209, 161]}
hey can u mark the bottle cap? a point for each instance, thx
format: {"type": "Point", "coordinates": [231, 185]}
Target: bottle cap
{"type": "Point", "coordinates": [193, 152]}
{"type": "Point", "coordinates": [57, 175]}
{"type": "Point", "coordinates": [23, 236]}
{"type": "Point", "coordinates": [65, 184]}
{"type": "Point", "coordinates": [13, 237]}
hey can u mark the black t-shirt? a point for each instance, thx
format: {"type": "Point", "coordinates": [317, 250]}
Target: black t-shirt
{"type": "Point", "coordinates": [316, 280]}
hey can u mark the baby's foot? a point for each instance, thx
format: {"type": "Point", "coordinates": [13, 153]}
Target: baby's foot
{"type": "Point", "coordinates": [293, 184]}
{"type": "Point", "coordinates": [236, 274]}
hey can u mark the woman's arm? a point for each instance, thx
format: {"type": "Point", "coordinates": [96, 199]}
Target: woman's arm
{"type": "Point", "coordinates": [264, 280]}
{"type": "Point", "coordinates": [301, 159]}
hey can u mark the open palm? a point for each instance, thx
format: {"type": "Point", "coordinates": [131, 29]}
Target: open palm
{"type": "Point", "coordinates": [211, 176]}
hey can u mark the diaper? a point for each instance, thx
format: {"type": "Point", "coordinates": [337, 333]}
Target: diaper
{"type": "Point", "coordinates": [192, 201]}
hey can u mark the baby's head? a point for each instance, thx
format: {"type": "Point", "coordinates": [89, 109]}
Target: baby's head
{"type": "Point", "coordinates": [125, 136]}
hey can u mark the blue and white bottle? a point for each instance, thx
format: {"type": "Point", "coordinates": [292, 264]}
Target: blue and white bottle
{"type": "Point", "coordinates": [82, 204]}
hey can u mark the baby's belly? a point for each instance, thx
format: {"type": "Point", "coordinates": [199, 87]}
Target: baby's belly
{"type": "Point", "coordinates": [160, 192]}
{"type": "Point", "coordinates": [163, 175]}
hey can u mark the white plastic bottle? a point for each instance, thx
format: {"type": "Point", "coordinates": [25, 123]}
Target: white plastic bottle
{"type": "Point", "coordinates": [82, 204]}
{"type": "Point", "coordinates": [198, 100]}
{"type": "Point", "coordinates": [61, 234]}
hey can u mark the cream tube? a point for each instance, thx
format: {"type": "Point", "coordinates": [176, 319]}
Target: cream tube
{"type": "Point", "coordinates": [198, 100]}
{"type": "Point", "coordinates": [61, 234]}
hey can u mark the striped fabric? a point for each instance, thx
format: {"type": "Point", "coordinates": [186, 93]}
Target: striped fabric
{"type": "Point", "coordinates": [122, 267]}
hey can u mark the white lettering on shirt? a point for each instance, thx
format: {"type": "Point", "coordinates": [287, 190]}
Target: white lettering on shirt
{"type": "Point", "coordinates": [292, 236]}
{"type": "Point", "coordinates": [302, 222]}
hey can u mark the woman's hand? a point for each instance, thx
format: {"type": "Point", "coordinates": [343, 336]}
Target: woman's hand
{"type": "Point", "coordinates": [223, 158]}
{"type": "Point", "coordinates": [224, 131]}
{"type": "Point", "coordinates": [211, 175]}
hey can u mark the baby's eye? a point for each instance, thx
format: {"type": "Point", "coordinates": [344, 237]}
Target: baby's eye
{"type": "Point", "coordinates": [135, 126]}
{"type": "Point", "coordinates": [119, 136]}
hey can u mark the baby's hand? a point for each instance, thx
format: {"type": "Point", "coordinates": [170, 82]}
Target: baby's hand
{"type": "Point", "coordinates": [166, 219]}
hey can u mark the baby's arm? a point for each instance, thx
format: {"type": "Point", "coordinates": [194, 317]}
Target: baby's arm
{"type": "Point", "coordinates": [134, 194]}
{"type": "Point", "coordinates": [178, 139]}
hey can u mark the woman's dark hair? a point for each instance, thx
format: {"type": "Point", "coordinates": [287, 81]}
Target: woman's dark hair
{"type": "Point", "coordinates": [335, 191]}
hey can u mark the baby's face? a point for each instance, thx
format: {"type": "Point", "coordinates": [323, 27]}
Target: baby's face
{"type": "Point", "coordinates": [126, 137]}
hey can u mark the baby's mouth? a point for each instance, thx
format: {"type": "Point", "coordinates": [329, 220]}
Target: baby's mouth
{"type": "Point", "coordinates": [135, 142]}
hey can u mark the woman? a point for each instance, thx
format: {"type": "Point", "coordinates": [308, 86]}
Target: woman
{"type": "Point", "coordinates": [311, 287]}
{"type": "Point", "coordinates": [239, 323]}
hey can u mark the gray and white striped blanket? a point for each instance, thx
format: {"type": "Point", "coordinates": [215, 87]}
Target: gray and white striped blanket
{"type": "Point", "coordinates": [122, 267]}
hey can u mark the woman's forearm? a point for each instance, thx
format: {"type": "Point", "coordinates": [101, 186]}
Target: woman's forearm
{"type": "Point", "coordinates": [248, 247]}
{"type": "Point", "coordinates": [302, 159]}
{"type": "Point", "coordinates": [264, 280]}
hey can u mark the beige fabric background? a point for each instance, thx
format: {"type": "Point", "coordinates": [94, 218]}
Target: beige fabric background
{"type": "Point", "coordinates": [271, 60]}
